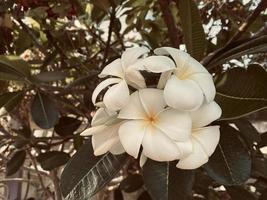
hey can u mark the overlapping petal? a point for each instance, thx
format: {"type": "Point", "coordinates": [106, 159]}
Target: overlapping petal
{"type": "Point", "coordinates": [113, 69]}
{"type": "Point", "coordinates": [206, 114]}
{"type": "Point", "coordinates": [152, 100]}
{"type": "Point", "coordinates": [104, 84]}
{"type": "Point", "coordinates": [129, 56]}
{"type": "Point", "coordinates": [205, 82]}
{"type": "Point", "coordinates": [175, 124]}
{"type": "Point", "coordinates": [158, 146]}
{"type": "Point", "coordinates": [117, 96]}
{"type": "Point", "coordinates": [131, 135]}
{"type": "Point", "coordinates": [183, 94]}
{"type": "Point", "coordinates": [204, 142]}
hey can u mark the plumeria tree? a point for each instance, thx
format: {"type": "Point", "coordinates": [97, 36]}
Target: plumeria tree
{"type": "Point", "coordinates": [159, 100]}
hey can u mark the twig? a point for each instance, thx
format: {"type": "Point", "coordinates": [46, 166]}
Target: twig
{"type": "Point", "coordinates": [249, 20]}
{"type": "Point", "coordinates": [173, 31]}
{"type": "Point", "coordinates": [55, 179]}
{"type": "Point", "coordinates": [110, 30]}
{"type": "Point", "coordinates": [39, 175]}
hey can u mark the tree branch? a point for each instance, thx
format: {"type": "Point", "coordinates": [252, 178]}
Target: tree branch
{"type": "Point", "coordinates": [250, 19]}
{"type": "Point", "coordinates": [110, 30]}
{"type": "Point", "coordinates": [173, 31]}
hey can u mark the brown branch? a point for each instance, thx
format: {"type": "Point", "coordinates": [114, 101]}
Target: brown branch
{"type": "Point", "coordinates": [55, 179]}
{"type": "Point", "coordinates": [249, 20]}
{"type": "Point", "coordinates": [110, 30]}
{"type": "Point", "coordinates": [39, 175]}
{"type": "Point", "coordinates": [242, 29]}
{"type": "Point", "coordinates": [173, 31]}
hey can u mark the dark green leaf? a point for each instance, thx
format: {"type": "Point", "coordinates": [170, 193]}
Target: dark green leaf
{"type": "Point", "coordinates": [118, 194]}
{"type": "Point", "coordinates": [248, 132]}
{"type": "Point", "coordinates": [255, 45]}
{"type": "Point", "coordinates": [14, 65]}
{"type": "Point", "coordinates": [49, 76]}
{"type": "Point", "coordinates": [77, 141]}
{"type": "Point", "coordinates": [263, 195]}
{"type": "Point", "coordinates": [259, 166]}
{"type": "Point", "coordinates": [86, 174]}
{"type": "Point", "coordinates": [237, 192]}
{"type": "Point", "coordinates": [44, 111]}
{"type": "Point", "coordinates": [194, 35]}
{"type": "Point", "coordinates": [241, 91]}
{"type": "Point", "coordinates": [67, 125]}
{"type": "Point", "coordinates": [144, 196]}
{"type": "Point", "coordinates": [9, 101]}
{"type": "Point", "coordinates": [231, 163]}
{"type": "Point", "coordinates": [132, 183]}
{"type": "Point", "coordinates": [16, 161]}
{"type": "Point", "coordinates": [52, 159]}
{"type": "Point", "coordinates": [166, 182]}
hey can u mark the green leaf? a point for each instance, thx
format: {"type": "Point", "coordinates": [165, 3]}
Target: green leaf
{"type": "Point", "coordinates": [9, 101]}
{"type": "Point", "coordinates": [10, 77]}
{"type": "Point", "coordinates": [86, 174]}
{"type": "Point", "coordinates": [52, 159]}
{"type": "Point", "coordinates": [132, 183]}
{"type": "Point", "coordinates": [194, 35]}
{"type": "Point", "coordinates": [67, 126]}
{"type": "Point", "coordinates": [166, 182]}
{"type": "Point", "coordinates": [252, 46]}
{"type": "Point", "coordinates": [231, 163]}
{"type": "Point", "coordinates": [241, 91]}
{"type": "Point", "coordinates": [44, 112]}
{"type": "Point", "coordinates": [49, 76]}
{"type": "Point", "coordinates": [16, 161]}
{"type": "Point", "coordinates": [14, 65]}
{"type": "Point", "coordinates": [237, 192]}
{"type": "Point", "coordinates": [248, 132]}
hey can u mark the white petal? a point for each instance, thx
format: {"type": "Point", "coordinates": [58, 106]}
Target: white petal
{"type": "Point", "coordinates": [205, 82]}
{"type": "Point", "coordinates": [133, 109]}
{"type": "Point", "coordinates": [152, 100]}
{"type": "Point", "coordinates": [179, 57]}
{"type": "Point", "coordinates": [185, 148]}
{"type": "Point", "coordinates": [117, 96]}
{"type": "Point", "coordinates": [208, 138]}
{"type": "Point", "coordinates": [206, 114]}
{"type": "Point", "coordinates": [101, 86]}
{"type": "Point", "coordinates": [142, 160]}
{"type": "Point", "coordinates": [155, 64]}
{"type": "Point", "coordinates": [135, 78]}
{"type": "Point", "coordinates": [175, 124]}
{"type": "Point", "coordinates": [117, 148]}
{"type": "Point", "coordinates": [163, 79]}
{"type": "Point", "coordinates": [102, 143]}
{"type": "Point", "coordinates": [184, 62]}
{"type": "Point", "coordinates": [131, 134]}
{"type": "Point", "coordinates": [112, 69]}
{"type": "Point", "coordinates": [101, 116]}
{"type": "Point", "coordinates": [183, 94]}
{"type": "Point", "coordinates": [204, 142]}
{"type": "Point", "coordinates": [157, 146]}
{"type": "Point", "coordinates": [94, 130]}
{"type": "Point", "coordinates": [131, 55]}
{"type": "Point", "coordinates": [196, 159]}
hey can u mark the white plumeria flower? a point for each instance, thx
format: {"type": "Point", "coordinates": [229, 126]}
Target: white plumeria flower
{"type": "Point", "coordinates": [162, 132]}
{"type": "Point", "coordinates": [104, 131]}
{"type": "Point", "coordinates": [118, 95]}
{"type": "Point", "coordinates": [188, 84]}
{"type": "Point", "coordinates": [204, 139]}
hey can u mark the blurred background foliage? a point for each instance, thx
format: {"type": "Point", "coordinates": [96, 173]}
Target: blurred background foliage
{"type": "Point", "coordinates": [52, 50]}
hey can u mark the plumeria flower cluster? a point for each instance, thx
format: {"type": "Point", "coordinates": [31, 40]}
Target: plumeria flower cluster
{"type": "Point", "coordinates": [164, 122]}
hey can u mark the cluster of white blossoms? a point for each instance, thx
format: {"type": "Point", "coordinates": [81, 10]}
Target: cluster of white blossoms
{"type": "Point", "coordinates": [164, 123]}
